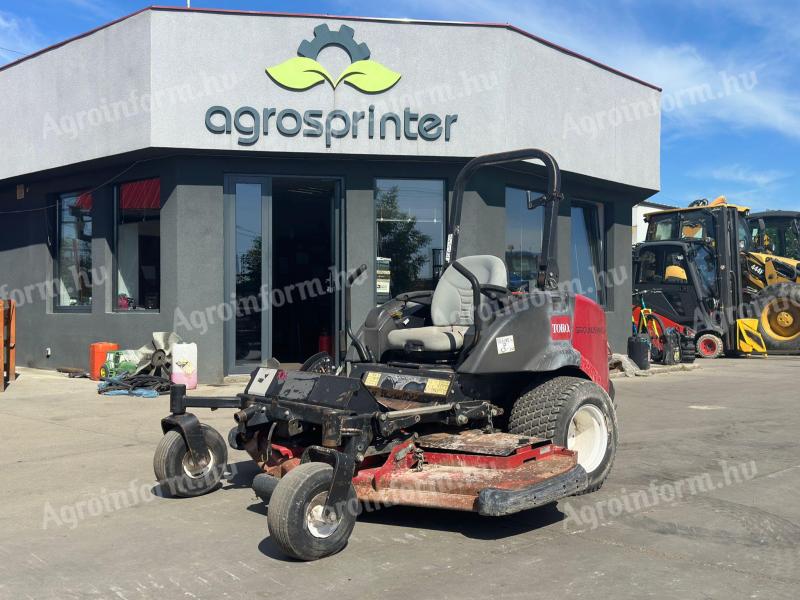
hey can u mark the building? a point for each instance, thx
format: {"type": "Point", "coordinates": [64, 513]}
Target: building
{"type": "Point", "coordinates": [171, 170]}
{"type": "Point", "coordinates": [639, 212]}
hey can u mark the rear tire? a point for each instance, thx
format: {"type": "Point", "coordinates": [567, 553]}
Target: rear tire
{"type": "Point", "coordinates": [296, 518]}
{"type": "Point", "coordinates": [709, 345]}
{"type": "Point", "coordinates": [177, 473]}
{"type": "Point", "coordinates": [574, 413]}
{"type": "Point", "coordinates": [779, 316]}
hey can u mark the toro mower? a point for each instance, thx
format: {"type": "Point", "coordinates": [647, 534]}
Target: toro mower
{"type": "Point", "coordinates": [468, 397]}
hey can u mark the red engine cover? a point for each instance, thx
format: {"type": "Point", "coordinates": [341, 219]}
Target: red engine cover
{"type": "Point", "coordinates": [590, 338]}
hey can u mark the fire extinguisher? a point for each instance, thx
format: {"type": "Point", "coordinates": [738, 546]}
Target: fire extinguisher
{"type": "Point", "coordinates": [325, 343]}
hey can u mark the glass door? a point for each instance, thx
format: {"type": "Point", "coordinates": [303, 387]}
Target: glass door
{"type": "Point", "coordinates": [248, 259]}
{"type": "Point", "coordinates": [283, 251]}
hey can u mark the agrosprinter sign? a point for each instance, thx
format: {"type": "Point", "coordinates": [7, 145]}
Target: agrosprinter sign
{"type": "Point", "coordinates": [304, 72]}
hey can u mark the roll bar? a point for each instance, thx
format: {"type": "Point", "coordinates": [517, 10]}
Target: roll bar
{"type": "Point", "coordinates": [547, 277]}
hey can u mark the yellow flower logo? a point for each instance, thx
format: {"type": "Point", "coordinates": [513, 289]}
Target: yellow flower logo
{"type": "Point", "coordinates": [304, 72]}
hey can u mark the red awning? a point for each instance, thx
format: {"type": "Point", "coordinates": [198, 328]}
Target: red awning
{"type": "Point", "coordinates": [84, 201]}
{"type": "Point", "coordinates": [140, 195]}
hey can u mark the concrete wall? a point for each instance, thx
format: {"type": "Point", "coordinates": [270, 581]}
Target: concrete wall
{"type": "Point", "coordinates": [26, 264]}
{"type": "Point", "coordinates": [508, 90]}
{"type": "Point", "coordinates": [192, 245]}
{"type": "Point", "coordinates": [84, 100]}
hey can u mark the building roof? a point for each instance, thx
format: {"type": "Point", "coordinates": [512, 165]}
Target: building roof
{"type": "Point", "coordinates": [341, 18]}
{"type": "Point", "coordinates": [650, 204]}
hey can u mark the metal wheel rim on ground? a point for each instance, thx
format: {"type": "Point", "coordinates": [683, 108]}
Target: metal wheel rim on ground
{"type": "Point", "coordinates": [318, 523]}
{"type": "Point", "coordinates": [195, 471]}
{"type": "Point", "coordinates": [781, 319]}
{"type": "Point", "coordinates": [588, 436]}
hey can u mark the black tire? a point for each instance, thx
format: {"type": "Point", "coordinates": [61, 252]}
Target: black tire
{"type": "Point", "coordinates": [287, 516]}
{"type": "Point", "coordinates": [547, 409]}
{"type": "Point", "coordinates": [709, 345]}
{"type": "Point", "coordinates": [174, 471]}
{"type": "Point", "coordinates": [264, 486]}
{"type": "Point", "coordinates": [775, 298]}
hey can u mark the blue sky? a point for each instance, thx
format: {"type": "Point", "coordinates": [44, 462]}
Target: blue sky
{"type": "Point", "coordinates": [740, 140]}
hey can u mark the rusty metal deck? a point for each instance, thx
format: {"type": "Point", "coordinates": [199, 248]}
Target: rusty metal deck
{"type": "Point", "coordinates": [475, 441]}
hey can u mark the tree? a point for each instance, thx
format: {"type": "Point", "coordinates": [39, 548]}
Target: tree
{"type": "Point", "coordinates": [401, 241]}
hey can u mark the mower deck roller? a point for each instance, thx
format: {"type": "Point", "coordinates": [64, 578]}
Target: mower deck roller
{"type": "Point", "coordinates": [468, 397]}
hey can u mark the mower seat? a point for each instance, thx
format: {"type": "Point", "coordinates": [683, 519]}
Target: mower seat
{"type": "Point", "coordinates": [451, 308]}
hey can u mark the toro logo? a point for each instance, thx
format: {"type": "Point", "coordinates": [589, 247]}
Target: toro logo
{"type": "Point", "coordinates": [560, 328]}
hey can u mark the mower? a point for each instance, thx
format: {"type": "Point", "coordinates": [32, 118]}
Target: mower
{"type": "Point", "coordinates": [468, 397]}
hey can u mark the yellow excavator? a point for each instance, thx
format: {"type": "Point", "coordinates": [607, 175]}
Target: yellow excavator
{"type": "Point", "coordinates": [745, 296]}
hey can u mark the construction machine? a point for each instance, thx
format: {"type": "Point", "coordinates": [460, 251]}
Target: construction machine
{"type": "Point", "coordinates": [776, 232]}
{"type": "Point", "coordinates": [702, 267]}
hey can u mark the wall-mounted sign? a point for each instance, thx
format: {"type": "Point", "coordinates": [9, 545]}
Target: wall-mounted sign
{"type": "Point", "coordinates": [304, 72]}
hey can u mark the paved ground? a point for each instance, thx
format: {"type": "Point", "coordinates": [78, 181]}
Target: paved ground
{"type": "Point", "coordinates": [69, 456]}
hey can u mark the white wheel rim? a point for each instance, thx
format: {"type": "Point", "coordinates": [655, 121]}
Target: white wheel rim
{"type": "Point", "coordinates": [588, 436]}
{"type": "Point", "coordinates": [319, 524]}
{"type": "Point", "coordinates": [195, 471]}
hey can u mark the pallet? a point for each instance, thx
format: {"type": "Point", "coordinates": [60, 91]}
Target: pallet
{"type": "Point", "coordinates": [8, 343]}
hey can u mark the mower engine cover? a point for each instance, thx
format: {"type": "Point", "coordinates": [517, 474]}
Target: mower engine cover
{"type": "Point", "coordinates": [575, 336]}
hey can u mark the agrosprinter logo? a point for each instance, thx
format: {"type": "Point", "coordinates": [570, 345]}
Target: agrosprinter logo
{"type": "Point", "coordinates": [303, 71]}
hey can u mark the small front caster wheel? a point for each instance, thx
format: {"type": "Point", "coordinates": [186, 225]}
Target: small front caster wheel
{"type": "Point", "coordinates": [298, 520]}
{"type": "Point", "coordinates": [178, 471]}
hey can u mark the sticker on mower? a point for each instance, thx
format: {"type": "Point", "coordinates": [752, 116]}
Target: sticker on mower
{"type": "Point", "coordinates": [560, 329]}
{"type": "Point", "coordinates": [505, 344]}
{"type": "Point", "coordinates": [407, 383]}
{"type": "Point", "coordinates": [261, 382]}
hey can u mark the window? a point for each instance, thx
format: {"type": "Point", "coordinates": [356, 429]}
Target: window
{"type": "Point", "coordinates": [662, 266]}
{"type": "Point", "coordinates": [138, 245]}
{"type": "Point", "coordinates": [524, 231]}
{"type": "Point", "coordinates": [706, 264]}
{"type": "Point", "coordinates": [587, 250]}
{"type": "Point", "coordinates": [74, 252]}
{"type": "Point", "coordinates": [660, 229]}
{"type": "Point", "coordinates": [745, 241]}
{"type": "Point", "coordinates": [790, 245]}
{"type": "Point", "coordinates": [410, 236]}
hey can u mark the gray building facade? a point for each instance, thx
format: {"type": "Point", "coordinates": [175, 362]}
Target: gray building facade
{"type": "Point", "coordinates": [213, 172]}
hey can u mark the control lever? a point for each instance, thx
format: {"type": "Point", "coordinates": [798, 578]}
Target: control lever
{"type": "Point", "coordinates": [363, 353]}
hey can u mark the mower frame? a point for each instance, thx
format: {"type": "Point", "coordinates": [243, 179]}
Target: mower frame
{"type": "Point", "coordinates": [401, 443]}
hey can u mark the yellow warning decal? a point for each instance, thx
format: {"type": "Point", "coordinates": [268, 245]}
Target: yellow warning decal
{"type": "Point", "coordinates": [437, 387]}
{"type": "Point", "coordinates": [748, 338]}
{"type": "Point", "coordinates": [372, 379]}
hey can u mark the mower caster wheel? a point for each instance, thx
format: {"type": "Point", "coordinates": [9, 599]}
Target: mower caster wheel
{"type": "Point", "coordinates": [179, 474]}
{"type": "Point", "coordinates": [297, 517]}
{"type": "Point", "coordinates": [263, 485]}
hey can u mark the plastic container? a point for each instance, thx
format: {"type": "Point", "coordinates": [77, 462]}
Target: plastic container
{"type": "Point", "coordinates": [639, 350]}
{"type": "Point", "coordinates": [184, 365]}
{"type": "Point", "coordinates": [97, 357]}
